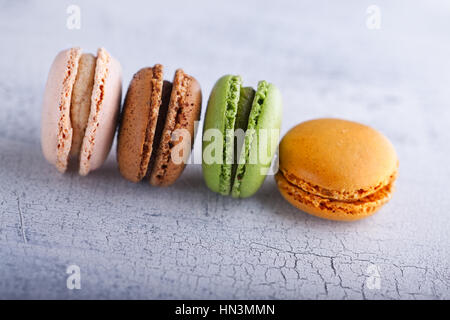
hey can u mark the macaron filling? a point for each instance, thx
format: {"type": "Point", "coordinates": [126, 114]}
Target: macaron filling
{"type": "Point", "coordinates": [342, 195]}
{"type": "Point", "coordinates": [232, 101]}
{"type": "Point", "coordinates": [243, 113]}
{"type": "Point", "coordinates": [163, 109]}
{"type": "Point", "coordinates": [81, 100]}
{"type": "Point", "coordinates": [365, 205]}
{"type": "Point", "coordinates": [257, 106]}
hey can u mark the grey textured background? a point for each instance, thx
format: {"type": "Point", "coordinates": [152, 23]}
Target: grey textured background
{"type": "Point", "coordinates": [136, 241]}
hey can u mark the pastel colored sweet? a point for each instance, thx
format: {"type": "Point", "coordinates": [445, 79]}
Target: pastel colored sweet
{"type": "Point", "coordinates": [336, 169]}
{"type": "Point", "coordinates": [155, 111]}
{"type": "Point", "coordinates": [239, 170]}
{"type": "Point", "coordinates": [80, 109]}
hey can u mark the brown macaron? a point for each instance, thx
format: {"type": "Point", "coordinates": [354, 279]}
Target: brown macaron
{"type": "Point", "coordinates": [156, 132]}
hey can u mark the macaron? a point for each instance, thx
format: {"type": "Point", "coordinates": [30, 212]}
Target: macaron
{"type": "Point", "coordinates": [336, 169]}
{"type": "Point", "coordinates": [158, 119]}
{"type": "Point", "coordinates": [80, 109]}
{"type": "Point", "coordinates": [240, 136]}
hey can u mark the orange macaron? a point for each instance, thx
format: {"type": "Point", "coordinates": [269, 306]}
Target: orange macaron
{"type": "Point", "coordinates": [336, 169]}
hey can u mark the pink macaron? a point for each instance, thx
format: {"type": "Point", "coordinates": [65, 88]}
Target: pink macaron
{"type": "Point", "coordinates": [80, 110]}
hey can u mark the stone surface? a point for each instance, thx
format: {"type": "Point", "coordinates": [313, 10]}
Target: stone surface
{"type": "Point", "coordinates": [137, 241]}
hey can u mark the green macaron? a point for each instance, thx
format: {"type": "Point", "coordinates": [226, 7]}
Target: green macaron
{"type": "Point", "coordinates": [240, 136]}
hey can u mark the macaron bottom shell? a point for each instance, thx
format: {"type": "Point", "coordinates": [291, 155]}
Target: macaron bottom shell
{"type": "Point", "coordinates": [333, 209]}
{"type": "Point", "coordinates": [261, 140]}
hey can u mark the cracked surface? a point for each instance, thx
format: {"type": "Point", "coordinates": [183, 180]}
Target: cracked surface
{"type": "Point", "coordinates": [136, 241]}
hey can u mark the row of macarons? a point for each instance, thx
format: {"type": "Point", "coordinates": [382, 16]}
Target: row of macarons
{"type": "Point", "coordinates": [82, 110]}
{"type": "Point", "coordinates": [156, 128]}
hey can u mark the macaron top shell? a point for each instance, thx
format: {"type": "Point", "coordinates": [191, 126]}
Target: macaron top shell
{"type": "Point", "coordinates": [138, 123]}
{"type": "Point", "coordinates": [56, 129]}
{"type": "Point", "coordinates": [219, 118]}
{"type": "Point", "coordinates": [337, 159]}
